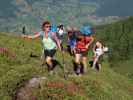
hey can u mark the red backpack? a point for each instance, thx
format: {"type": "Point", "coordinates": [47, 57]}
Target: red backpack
{"type": "Point", "coordinates": [81, 44]}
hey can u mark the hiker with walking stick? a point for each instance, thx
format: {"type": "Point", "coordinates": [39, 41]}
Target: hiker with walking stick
{"type": "Point", "coordinates": [50, 43]}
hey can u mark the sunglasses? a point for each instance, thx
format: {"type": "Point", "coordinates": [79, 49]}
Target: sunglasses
{"type": "Point", "coordinates": [48, 26]}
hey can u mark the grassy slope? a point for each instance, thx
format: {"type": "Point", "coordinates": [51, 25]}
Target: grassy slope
{"type": "Point", "coordinates": [125, 68]}
{"type": "Point", "coordinates": [104, 85]}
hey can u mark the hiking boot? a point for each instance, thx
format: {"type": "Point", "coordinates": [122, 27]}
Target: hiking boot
{"type": "Point", "coordinates": [78, 69]}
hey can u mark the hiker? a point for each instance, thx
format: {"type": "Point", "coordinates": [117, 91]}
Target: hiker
{"type": "Point", "coordinates": [50, 42]}
{"type": "Point", "coordinates": [98, 50]}
{"type": "Point", "coordinates": [60, 32]}
{"type": "Point", "coordinates": [84, 40]}
{"type": "Point", "coordinates": [71, 40]}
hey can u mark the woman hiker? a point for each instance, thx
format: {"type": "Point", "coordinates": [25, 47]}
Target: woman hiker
{"type": "Point", "coordinates": [50, 43]}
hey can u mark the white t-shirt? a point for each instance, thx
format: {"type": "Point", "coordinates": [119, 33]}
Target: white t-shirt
{"type": "Point", "coordinates": [60, 32]}
{"type": "Point", "coordinates": [99, 51]}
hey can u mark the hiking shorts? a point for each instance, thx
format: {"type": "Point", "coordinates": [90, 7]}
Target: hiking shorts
{"type": "Point", "coordinates": [60, 37]}
{"type": "Point", "coordinates": [82, 53]}
{"type": "Point", "coordinates": [49, 53]}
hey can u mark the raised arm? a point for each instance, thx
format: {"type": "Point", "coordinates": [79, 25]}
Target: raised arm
{"type": "Point", "coordinates": [92, 39]}
{"type": "Point", "coordinates": [31, 36]}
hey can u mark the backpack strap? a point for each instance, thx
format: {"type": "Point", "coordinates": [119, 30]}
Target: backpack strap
{"type": "Point", "coordinates": [42, 34]}
{"type": "Point", "coordinates": [52, 35]}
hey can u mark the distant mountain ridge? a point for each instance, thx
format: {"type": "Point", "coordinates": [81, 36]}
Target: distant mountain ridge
{"type": "Point", "coordinates": [31, 13]}
{"type": "Point", "coordinates": [105, 7]}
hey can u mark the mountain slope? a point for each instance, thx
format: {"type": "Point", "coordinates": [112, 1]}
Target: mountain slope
{"type": "Point", "coordinates": [25, 64]}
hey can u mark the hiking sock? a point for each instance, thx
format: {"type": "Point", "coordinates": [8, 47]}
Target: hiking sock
{"type": "Point", "coordinates": [78, 70]}
{"type": "Point", "coordinates": [99, 66]}
{"type": "Point", "coordinates": [82, 68]}
{"type": "Point", "coordinates": [50, 67]}
{"type": "Point", "coordinates": [54, 63]}
{"type": "Point", "coordinates": [62, 48]}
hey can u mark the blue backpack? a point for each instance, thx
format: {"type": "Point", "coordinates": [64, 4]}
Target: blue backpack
{"type": "Point", "coordinates": [86, 30]}
{"type": "Point", "coordinates": [53, 28]}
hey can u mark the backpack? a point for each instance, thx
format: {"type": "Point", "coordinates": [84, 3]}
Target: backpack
{"type": "Point", "coordinates": [81, 44]}
{"type": "Point", "coordinates": [54, 28]}
{"type": "Point", "coordinates": [60, 30]}
{"type": "Point", "coordinates": [87, 30]}
{"type": "Point", "coordinates": [84, 37]}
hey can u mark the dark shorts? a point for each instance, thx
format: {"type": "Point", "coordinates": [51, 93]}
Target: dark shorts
{"type": "Point", "coordinates": [60, 37]}
{"type": "Point", "coordinates": [83, 53]}
{"type": "Point", "coordinates": [49, 53]}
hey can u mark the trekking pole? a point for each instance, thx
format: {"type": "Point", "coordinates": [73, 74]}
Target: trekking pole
{"type": "Point", "coordinates": [64, 65]}
{"type": "Point", "coordinates": [42, 58]}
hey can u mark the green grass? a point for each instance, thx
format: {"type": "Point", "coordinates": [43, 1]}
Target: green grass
{"type": "Point", "coordinates": [14, 72]}
{"type": "Point", "coordinates": [125, 68]}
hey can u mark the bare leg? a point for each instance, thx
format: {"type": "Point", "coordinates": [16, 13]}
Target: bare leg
{"type": "Point", "coordinates": [99, 63]}
{"type": "Point", "coordinates": [95, 61]}
{"type": "Point", "coordinates": [49, 62]}
{"type": "Point", "coordinates": [77, 61]}
{"type": "Point", "coordinates": [99, 66]}
{"type": "Point", "coordinates": [77, 58]}
{"type": "Point", "coordinates": [84, 61]}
